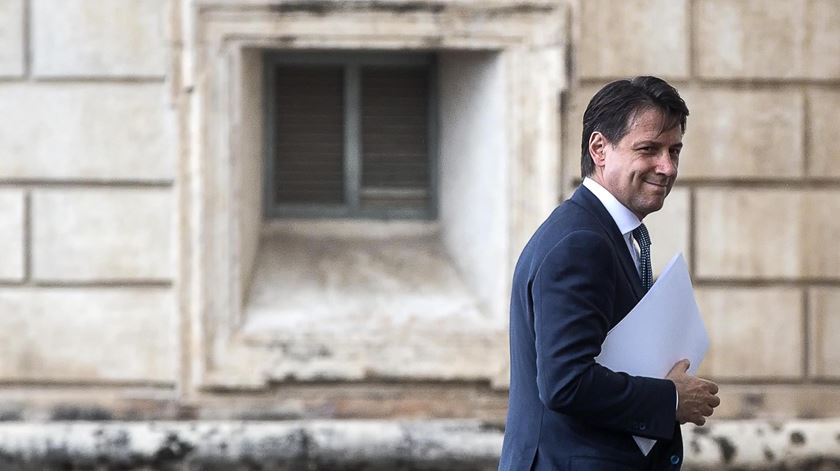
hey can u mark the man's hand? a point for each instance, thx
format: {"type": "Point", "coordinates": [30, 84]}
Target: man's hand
{"type": "Point", "coordinates": [697, 397]}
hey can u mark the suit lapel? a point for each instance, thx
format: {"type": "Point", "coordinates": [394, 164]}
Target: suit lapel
{"type": "Point", "coordinates": [593, 205]}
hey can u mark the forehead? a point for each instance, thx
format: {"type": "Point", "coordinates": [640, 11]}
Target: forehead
{"type": "Point", "coordinates": [648, 124]}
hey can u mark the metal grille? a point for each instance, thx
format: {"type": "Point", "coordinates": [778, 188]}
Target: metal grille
{"type": "Point", "coordinates": [309, 127]}
{"type": "Point", "coordinates": [394, 128]}
{"type": "Point", "coordinates": [350, 135]}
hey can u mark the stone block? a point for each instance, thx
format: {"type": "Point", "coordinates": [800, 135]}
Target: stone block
{"type": "Point", "coordinates": [819, 228]}
{"type": "Point", "coordinates": [823, 116]}
{"type": "Point", "coordinates": [767, 40]}
{"type": "Point", "coordinates": [278, 444]}
{"type": "Point", "coordinates": [750, 38]}
{"type": "Point", "coordinates": [72, 38]}
{"type": "Point", "coordinates": [93, 131]}
{"type": "Point", "coordinates": [102, 234]}
{"type": "Point", "coordinates": [740, 234]}
{"type": "Point", "coordinates": [761, 444]}
{"type": "Point", "coordinates": [669, 229]}
{"type": "Point", "coordinates": [727, 138]}
{"type": "Point", "coordinates": [11, 235]}
{"type": "Point", "coordinates": [755, 333]}
{"type": "Point", "coordinates": [11, 38]}
{"type": "Point", "coordinates": [822, 40]}
{"type": "Point", "coordinates": [87, 334]}
{"type": "Point", "coordinates": [651, 38]}
{"type": "Point", "coordinates": [824, 311]}
{"type": "Point", "coordinates": [779, 400]}
{"type": "Point", "coordinates": [767, 233]}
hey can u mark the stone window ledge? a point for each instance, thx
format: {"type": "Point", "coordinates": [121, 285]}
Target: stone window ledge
{"type": "Point", "coordinates": [363, 299]}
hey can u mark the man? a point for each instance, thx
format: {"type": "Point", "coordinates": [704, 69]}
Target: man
{"type": "Point", "coordinates": [582, 271]}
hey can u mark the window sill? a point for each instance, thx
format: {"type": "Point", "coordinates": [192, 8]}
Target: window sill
{"type": "Point", "coordinates": [361, 299]}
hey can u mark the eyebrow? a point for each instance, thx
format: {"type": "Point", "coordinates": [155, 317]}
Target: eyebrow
{"type": "Point", "coordinates": [655, 143]}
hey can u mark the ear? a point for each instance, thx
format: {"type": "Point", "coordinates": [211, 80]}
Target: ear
{"type": "Point", "coordinates": [597, 148]}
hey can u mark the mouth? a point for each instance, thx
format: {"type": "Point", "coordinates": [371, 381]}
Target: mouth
{"type": "Point", "coordinates": [659, 185]}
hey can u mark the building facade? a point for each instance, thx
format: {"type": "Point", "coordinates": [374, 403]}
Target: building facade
{"type": "Point", "coordinates": [254, 209]}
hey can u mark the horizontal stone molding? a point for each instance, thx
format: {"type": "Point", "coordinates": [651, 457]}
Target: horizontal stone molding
{"type": "Point", "coordinates": [374, 445]}
{"type": "Point", "coordinates": [328, 445]}
{"type": "Point", "coordinates": [763, 445]}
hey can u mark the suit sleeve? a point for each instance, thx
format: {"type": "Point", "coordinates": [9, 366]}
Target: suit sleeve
{"type": "Point", "coordinates": [573, 292]}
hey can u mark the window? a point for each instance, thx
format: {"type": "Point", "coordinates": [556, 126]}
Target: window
{"type": "Point", "coordinates": [350, 135]}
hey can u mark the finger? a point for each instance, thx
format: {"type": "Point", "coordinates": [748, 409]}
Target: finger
{"type": "Point", "coordinates": [706, 411]}
{"type": "Point", "coordinates": [714, 401]}
{"type": "Point", "coordinates": [712, 387]}
{"type": "Point", "coordinates": [701, 421]}
{"type": "Point", "coordinates": [679, 367]}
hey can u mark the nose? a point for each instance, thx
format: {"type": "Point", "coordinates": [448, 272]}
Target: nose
{"type": "Point", "coordinates": [665, 165]}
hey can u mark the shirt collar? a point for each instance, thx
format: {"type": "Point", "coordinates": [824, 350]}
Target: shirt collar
{"type": "Point", "coordinates": [623, 217]}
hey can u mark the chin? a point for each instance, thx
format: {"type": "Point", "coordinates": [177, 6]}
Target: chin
{"type": "Point", "coordinates": [653, 207]}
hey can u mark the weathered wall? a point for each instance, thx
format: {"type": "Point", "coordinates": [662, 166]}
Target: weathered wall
{"type": "Point", "coordinates": [758, 184]}
{"type": "Point", "coordinates": [107, 179]}
{"type": "Point", "coordinates": [400, 321]}
{"type": "Point", "coordinates": [87, 208]}
{"type": "Point", "coordinates": [98, 317]}
{"type": "Point", "coordinates": [473, 169]}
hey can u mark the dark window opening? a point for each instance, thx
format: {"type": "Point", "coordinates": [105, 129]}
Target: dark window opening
{"type": "Point", "coordinates": [350, 137]}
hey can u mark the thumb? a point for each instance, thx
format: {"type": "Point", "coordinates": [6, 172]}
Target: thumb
{"type": "Point", "coordinates": [680, 367]}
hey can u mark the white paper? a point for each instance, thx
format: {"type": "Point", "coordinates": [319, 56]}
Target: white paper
{"type": "Point", "coordinates": [664, 328]}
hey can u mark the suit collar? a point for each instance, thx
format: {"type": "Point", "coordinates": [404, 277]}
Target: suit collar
{"type": "Point", "coordinates": [623, 217]}
{"type": "Point", "coordinates": [588, 201]}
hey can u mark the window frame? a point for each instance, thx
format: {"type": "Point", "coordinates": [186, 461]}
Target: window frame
{"type": "Point", "coordinates": [351, 63]}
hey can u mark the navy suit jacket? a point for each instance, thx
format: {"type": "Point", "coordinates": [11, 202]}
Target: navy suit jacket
{"type": "Point", "coordinates": [574, 281]}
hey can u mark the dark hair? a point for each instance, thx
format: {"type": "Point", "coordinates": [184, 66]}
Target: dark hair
{"type": "Point", "coordinates": [612, 110]}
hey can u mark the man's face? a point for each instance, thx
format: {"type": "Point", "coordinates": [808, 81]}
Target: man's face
{"type": "Point", "coordinates": [641, 168]}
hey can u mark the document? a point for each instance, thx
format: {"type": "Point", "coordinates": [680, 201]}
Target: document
{"type": "Point", "coordinates": [663, 328]}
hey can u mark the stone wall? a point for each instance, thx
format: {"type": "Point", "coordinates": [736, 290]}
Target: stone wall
{"type": "Point", "coordinates": [101, 140]}
{"type": "Point", "coordinates": [352, 445]}
{"type": "Point", "coordinates": [753, 206]}
{"type": "Point", "coordinates": [88, 154]}
{"type": "Point", "coordinates": [123, 129]}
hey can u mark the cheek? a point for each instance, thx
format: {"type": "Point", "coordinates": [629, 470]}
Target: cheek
{"type": "Point", "coordinates": [610, 174]}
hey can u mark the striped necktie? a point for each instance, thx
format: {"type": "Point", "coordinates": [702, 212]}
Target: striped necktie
{"type": "Point", "coordinates": [645, 272]}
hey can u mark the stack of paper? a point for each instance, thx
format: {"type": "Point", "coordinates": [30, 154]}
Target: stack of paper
{"type": "Point", "coordinates": [664, 328]}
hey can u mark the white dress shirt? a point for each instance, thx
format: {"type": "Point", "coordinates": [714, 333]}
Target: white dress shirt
{"type": "Point", "coordinates": [623, 217]}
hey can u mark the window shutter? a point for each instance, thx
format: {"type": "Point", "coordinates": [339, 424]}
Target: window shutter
{"type": "Point", "coordinates": [394, 122]}
{"type": "Point", "coordinates": [309, 127]}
